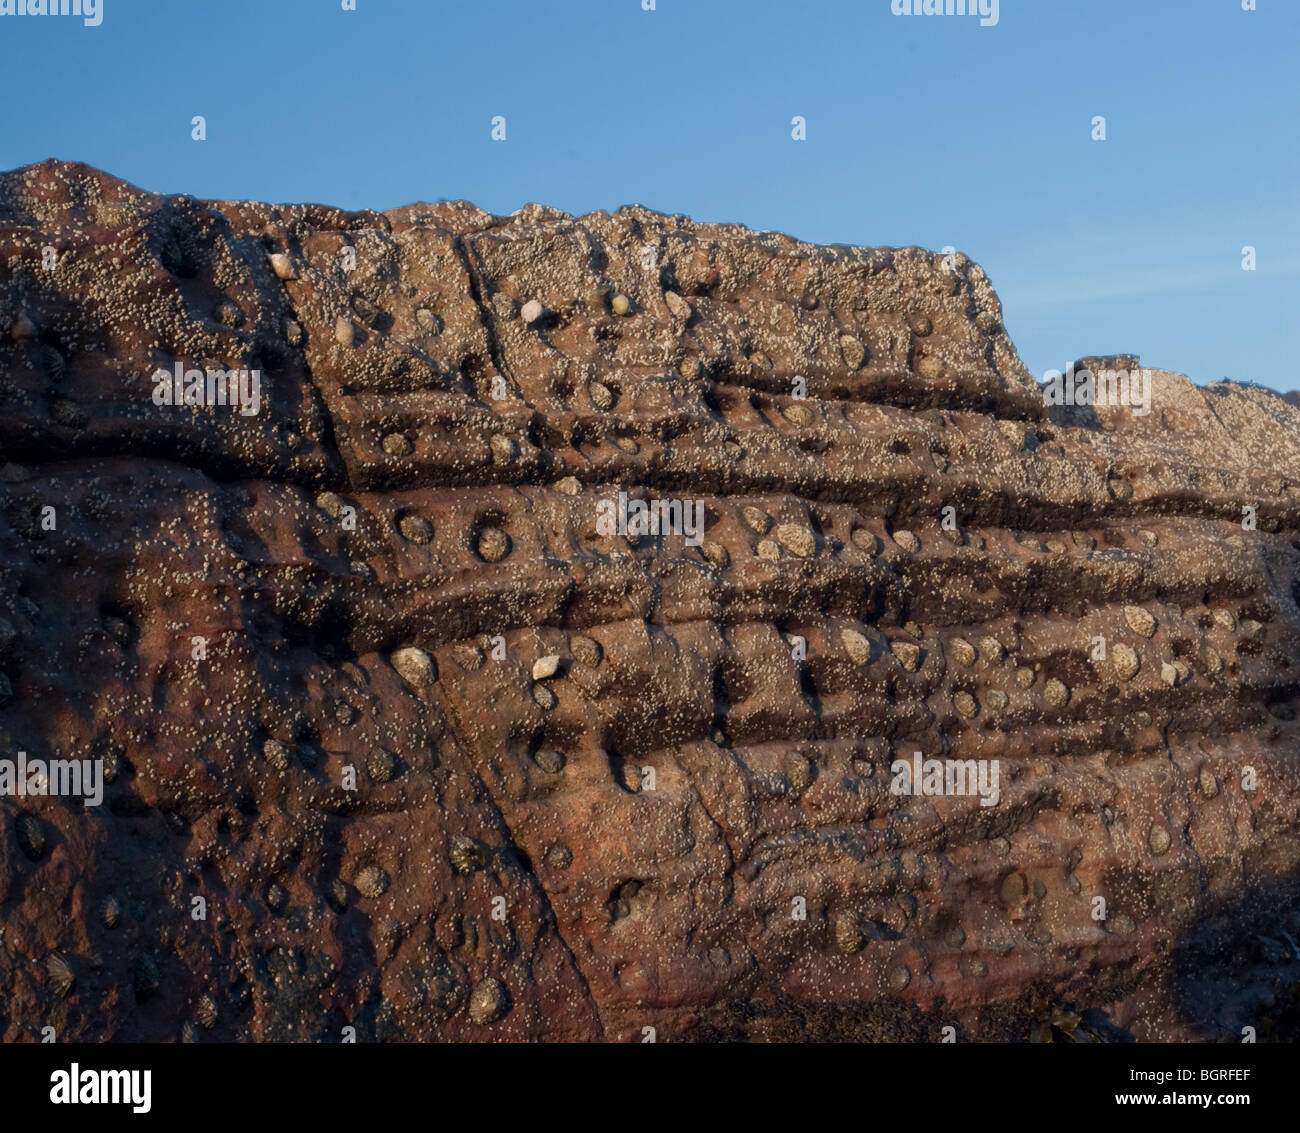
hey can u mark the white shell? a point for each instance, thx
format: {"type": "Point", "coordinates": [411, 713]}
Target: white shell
{"type": "Point", "coordinates": [545, 667]}
{"type": "Point", "coordinates": [414, 666]}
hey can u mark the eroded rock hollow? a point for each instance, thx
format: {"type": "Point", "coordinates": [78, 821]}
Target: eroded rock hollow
{"type": "Point", "coordinates": [399, 734]}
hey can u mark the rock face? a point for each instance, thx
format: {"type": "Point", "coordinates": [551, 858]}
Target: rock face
{"type": "Point", "coordinates": [448, 754]}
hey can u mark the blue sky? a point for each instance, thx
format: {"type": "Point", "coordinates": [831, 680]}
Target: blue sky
{"type": "Point", "coordinates": [920, 130]}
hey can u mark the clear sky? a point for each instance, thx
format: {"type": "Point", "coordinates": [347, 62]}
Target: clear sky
{"type": "Point", "coordinates": [927, 130]}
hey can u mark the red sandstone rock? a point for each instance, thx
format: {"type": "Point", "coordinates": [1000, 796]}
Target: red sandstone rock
{"type": "Point", "coordinates": [712, 753]}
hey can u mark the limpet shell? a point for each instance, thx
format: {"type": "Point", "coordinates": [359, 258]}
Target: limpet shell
{"type": "Point", "coordinates": [549, 760]}
{"type": "Point", "coordinates": [992, 650]}
{"type": "Point", "coordinates": [1207, 783]}
{"type": "Point", "coordinates": [852, 351]}
{"type": "Point", "coordinates": [504, 450]}
{"type": "Point", "coordinates": [909, 655]}
{"type": "Point", "coordinates": [489, 1002]}
{"type": "Point", "coordinates": [414, 666]}
{"type": "Point", "coordinates": [465, 855]}
{"type": "Point", "coordinates": [51, 361]}
{"type": "Point", "coordinates": [381, 765]}
{"type": "Point", "coordinates": [847, 933]}
{"type": "Point", "coordinates": [415, 529]}
{"type": "Point", "coordinates": [62, 976]}
{"type": "Point", "coordinates": [493, 544]}
{"type": "Point", "coordinates": [963, 652]}
{"type": "Point", "coordinates": [856, 646]}
{"type": "Point", "coordinates": [1125, 660]}
{"type": "Point", "coordinates": [397, 444]}
{"type": "Point", "coordinates": [277, 754]}
{"type": "Point", "coordinates": [586, 650]}
{"type": "Point", "coordinates": [372, 882]}
{"type": "Point", "coordinates": [546, 667]}
{"type": "Point", "coordinates": [865, 540]}
{"type": "Point", "coordinates": [715, 553]}
{"type": "Point", "coordinates": [1140, 621]}
{"type": "Point", "coordinates": [797, 540]}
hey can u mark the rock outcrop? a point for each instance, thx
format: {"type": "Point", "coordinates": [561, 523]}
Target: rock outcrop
{"type": "Point", "coordinates": [401, 734]}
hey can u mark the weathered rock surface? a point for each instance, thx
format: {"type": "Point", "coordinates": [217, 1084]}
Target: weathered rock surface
{"type": "Point", "coordinates": [621, 837]}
